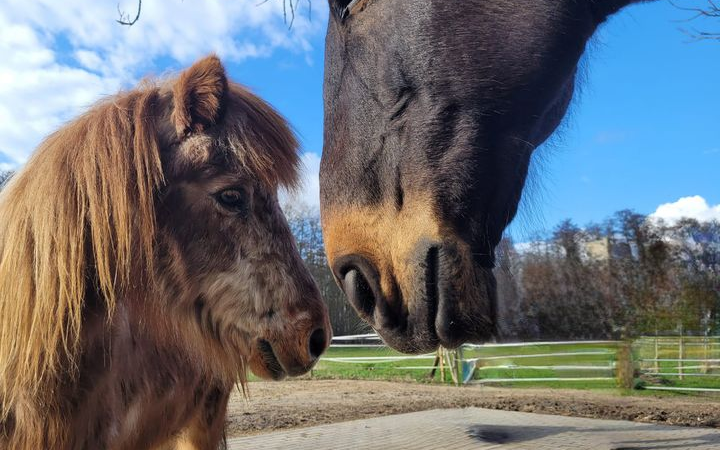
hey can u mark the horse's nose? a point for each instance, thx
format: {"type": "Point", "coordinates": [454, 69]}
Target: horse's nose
{"type": "Point", "coordinates": [360, 281]}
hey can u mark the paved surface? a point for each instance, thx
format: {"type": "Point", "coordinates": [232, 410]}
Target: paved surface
{"type": "Point", "coordinates": [476, 428]}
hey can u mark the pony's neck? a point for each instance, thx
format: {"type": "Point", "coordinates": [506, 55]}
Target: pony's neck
{"type": "Point", "coordinates": [130, 389]}
{"type": "Point", "coordinates": [129, 381]}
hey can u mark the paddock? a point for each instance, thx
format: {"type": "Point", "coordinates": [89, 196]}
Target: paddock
{"type": "Point", "coordinates": [567, 391]}
{"type": "Point", "coordinates": [309, 402]}
{"type": "Point", "coordinates": [479, 428]}
{"type": "Point", "coordinates": [476, 428]}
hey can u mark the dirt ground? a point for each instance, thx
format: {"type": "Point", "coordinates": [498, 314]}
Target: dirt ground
{"type": "Point", "coordinates": [302, 403]}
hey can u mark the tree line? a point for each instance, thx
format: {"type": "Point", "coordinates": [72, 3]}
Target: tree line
{"type": "Point", "coordinates": [625, 277]}
{"type": "Point", "coordinates": [305, 225]}
{"type": "Point", "coordinates": [4, 177]}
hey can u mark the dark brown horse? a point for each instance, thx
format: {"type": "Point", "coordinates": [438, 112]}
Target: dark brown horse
{"type": "Point", "coordinates": [432, 111]}
{"type": "Point", "coordinates": [144, 264]}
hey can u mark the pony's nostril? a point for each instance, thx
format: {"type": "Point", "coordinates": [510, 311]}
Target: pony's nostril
{"type": "Point", "coordinates": [359, 293]}
{"type": "Point", "coordinates": [317, 343]}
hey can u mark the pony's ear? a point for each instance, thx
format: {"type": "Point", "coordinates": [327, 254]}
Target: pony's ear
{"type": "Point", "coordinates": [198, 96]}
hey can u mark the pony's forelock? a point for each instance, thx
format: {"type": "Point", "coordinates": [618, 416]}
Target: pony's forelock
{"type": "Point", "coordinates": [260, 139]}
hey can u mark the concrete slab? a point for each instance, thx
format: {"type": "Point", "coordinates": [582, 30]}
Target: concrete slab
{"type": "Point", "coordinates": [480, 429]}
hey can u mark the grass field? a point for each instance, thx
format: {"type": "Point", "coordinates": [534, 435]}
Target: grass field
{"type": "Point", "coordinates": [588, 362]}
{"type": "Point", "coordinates": [700, 365]}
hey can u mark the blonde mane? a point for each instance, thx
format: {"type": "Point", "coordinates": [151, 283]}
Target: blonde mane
{"type": "Point", "coordinates": [78, 219]}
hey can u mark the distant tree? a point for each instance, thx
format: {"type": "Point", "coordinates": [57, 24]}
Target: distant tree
{"type": "Point", "coordinates": [696, 250]}
{"type": "Point", "coordinates": [641, 277]}
{"type": "Point", "coordinates": [305, 225]}
{"type": "Point", "coordinates": [626, 277]}
{"type": "Point", "coordinates": [4, 177]}
{"type": "Point", "coordinates": [512, 320]}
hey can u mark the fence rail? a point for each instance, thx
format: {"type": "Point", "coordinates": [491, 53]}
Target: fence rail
{"type": "Point", "coordinates": [663, 362]}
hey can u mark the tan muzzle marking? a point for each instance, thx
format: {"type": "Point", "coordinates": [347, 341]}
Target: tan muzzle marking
{"type": "Point", "coordinates": [382, 235]}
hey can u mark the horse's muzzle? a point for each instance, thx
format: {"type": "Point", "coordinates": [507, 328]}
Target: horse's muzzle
{"type": "Point", "coordinates": [444, 299]}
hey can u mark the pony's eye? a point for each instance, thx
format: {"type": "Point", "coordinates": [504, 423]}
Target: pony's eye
{"type": "Point", "coordinates": [232, 199]}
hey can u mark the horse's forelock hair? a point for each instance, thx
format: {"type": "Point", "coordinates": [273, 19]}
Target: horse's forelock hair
{"type": "Point", "coordinates": [78, 220]}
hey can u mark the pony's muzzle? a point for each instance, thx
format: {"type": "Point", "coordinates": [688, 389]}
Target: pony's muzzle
{"type": "Point", "coordinates": [277, 358]}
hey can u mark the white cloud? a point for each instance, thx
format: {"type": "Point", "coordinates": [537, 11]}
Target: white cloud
{"type": "Point", "coordinates": [38, 93]}
{"type": "Point", "coordinates": [536, 246]}
{"type": "Point", "coordinates": [58, 57]}
{"type": "Point", "coordinates": [308, 194]}
{"type": "Point", "coordinates": [88, 60]}
{"type": "Point", "coordinates": [695, 207]}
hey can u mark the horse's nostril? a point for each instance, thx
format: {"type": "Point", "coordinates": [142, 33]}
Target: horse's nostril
{"type": "Point", "coordinates": [317, 343]}
{"type": "Point", "coordinates": [359, 292]}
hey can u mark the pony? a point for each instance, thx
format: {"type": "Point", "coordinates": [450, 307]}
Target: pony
{"type": "Point", "coordinates": [432, 111]}
{"type": "Point", "coordinates": [145, 263]}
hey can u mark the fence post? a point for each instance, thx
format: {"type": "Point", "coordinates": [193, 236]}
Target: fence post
{"type": "Point", "coordinates": [624, 370]}
{"type": "Point", "coordinates": [459, 365]}
{"type": "Point", "coordinates": [656, 367]}
{"type": "Point", "coordinates": [681, 352]}
{"type": "Point", "coordinates": [442, 364]}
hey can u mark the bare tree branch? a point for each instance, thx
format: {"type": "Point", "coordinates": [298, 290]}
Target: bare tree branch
{"type": "Point", "coordinates": [125, 19]}
{"type": "Point", "coordinates": [711, 11]}
{"type": "Point", "coordinates": [294, 8]}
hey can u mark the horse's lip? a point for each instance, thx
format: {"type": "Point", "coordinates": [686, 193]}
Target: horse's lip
{"type": "Point", "coordinates": [437, 318]}
{"type": "Point", "coordinates": [270, 361]}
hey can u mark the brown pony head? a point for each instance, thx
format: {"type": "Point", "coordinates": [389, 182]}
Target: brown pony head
{"type": "Point", "coordinates": [225, 245]}
{"type": "Point", "coordinates": [156, 211]}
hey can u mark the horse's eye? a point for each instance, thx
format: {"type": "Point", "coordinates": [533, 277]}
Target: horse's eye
{"type": "Point", "coordinates": [345, 7]}
{"type": "Point", "coordinates": [232, 199]}
{"type": "Point", "coordinates": [340, 5]}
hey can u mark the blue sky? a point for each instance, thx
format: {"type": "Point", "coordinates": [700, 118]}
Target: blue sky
{"type": "Point", "coordinates": [642, 132]}
{"type": "Point", "coordinates": [645, 129]}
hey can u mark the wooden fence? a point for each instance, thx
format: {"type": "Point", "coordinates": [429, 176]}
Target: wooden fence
{"type": "Point", "coordinates": [692, 362]}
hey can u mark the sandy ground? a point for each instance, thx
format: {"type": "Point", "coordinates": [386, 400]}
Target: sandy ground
{"type": "Point", "coordinates": [302, 403]}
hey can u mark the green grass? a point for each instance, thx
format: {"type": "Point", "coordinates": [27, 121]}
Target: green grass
{"type": "Point", "coordinates": [393, 370]}
{"type": "Point", "coordinates": [694, 349]}
{"type": "Point", "coordinates": [371, 370]}
{"type": "Point", "coordinates": [600, 355]}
